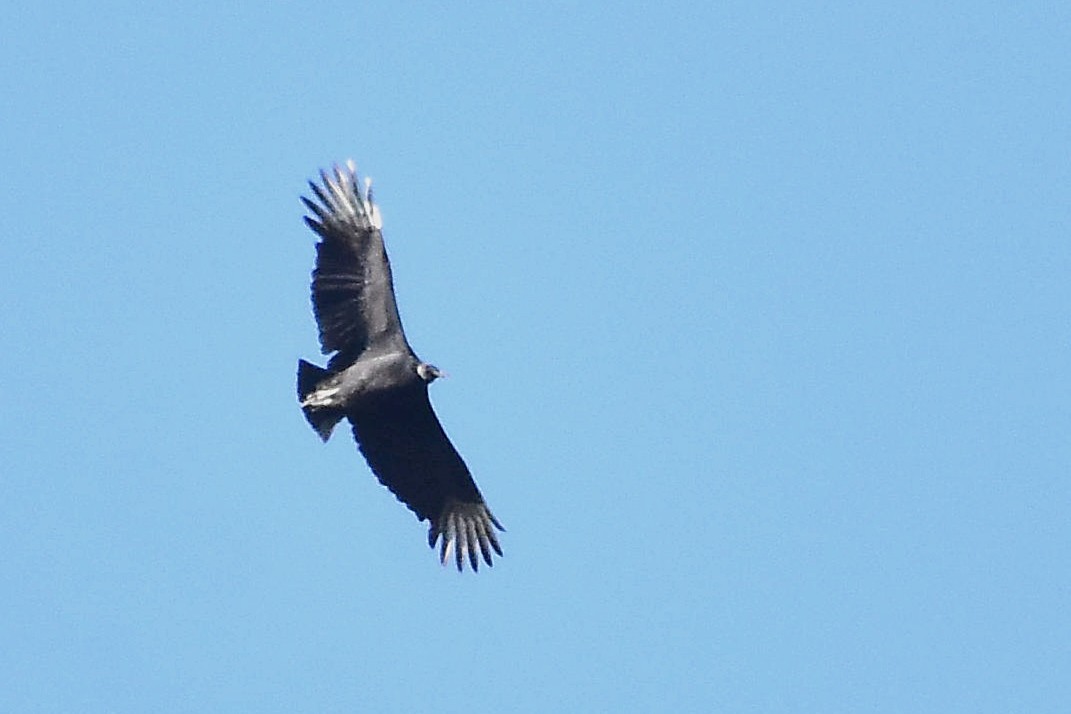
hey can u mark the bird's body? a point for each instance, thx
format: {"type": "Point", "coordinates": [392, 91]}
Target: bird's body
{"type": "Point", "coordinates": [365, 377]}
{"type": "Point", "coordinates": [377, 382]}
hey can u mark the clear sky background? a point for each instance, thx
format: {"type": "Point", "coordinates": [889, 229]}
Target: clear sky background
{"type": "Point", "coordinates": [757, 321]}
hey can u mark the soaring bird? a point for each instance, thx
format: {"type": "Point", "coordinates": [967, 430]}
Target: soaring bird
{"type": "Point", "coordinates": [376, 381]}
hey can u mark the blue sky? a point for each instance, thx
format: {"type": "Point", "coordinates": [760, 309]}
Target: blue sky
{"type": "Point", "coordinates": [756, 317]}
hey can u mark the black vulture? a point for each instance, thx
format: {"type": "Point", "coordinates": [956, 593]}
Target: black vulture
{"type": "Point", "coordinates": [376, 381]}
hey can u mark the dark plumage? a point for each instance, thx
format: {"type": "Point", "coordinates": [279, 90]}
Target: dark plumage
{"type": "Point", "coordinates": [376, 381]}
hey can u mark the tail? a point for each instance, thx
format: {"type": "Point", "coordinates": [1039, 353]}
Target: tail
{"type": "Point", "coordinates": [322, 419]}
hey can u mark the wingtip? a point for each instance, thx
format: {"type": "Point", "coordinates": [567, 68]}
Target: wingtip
{"type": "Point", "coordinates": [345, 199]}
{"type": "Point", "coordinates": [467, 533]}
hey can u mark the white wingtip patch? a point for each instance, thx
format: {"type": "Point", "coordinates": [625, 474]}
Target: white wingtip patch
{"type": "Point", "coordinates": [371, 210]}
{"type": "Point", "coordinates": [447, 552]}
{"type": "Point", "coordinates": [349, 200]}
{"type": "Point", "coordinates": [467, 532]}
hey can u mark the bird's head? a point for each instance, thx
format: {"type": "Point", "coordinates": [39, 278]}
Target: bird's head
{"type": "Point", "coordinates": [429, 372]}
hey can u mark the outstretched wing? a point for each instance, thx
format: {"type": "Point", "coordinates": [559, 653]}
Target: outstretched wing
{"type": "Point", "coordinates": [352, 287]}
{"type": "Point", "coordinates": [410, 454]}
